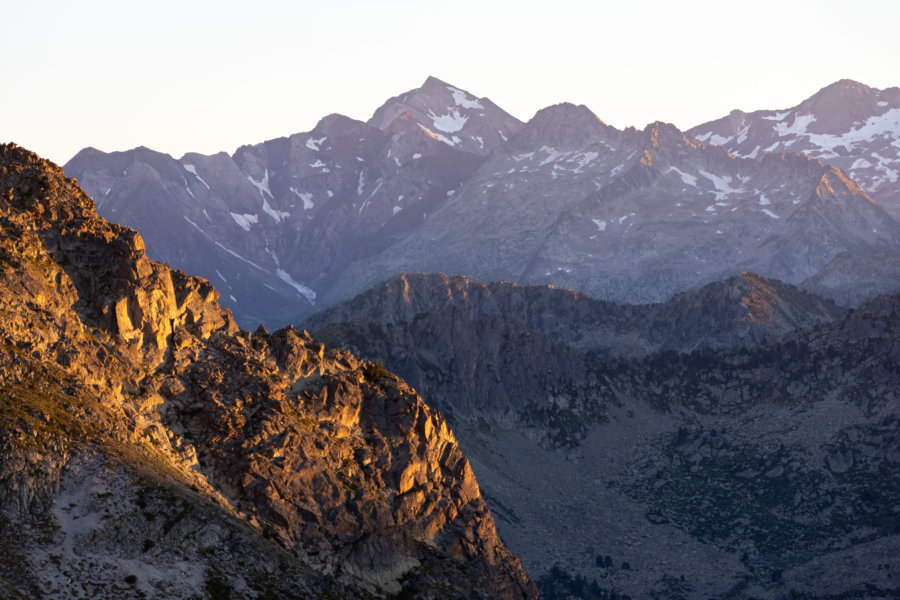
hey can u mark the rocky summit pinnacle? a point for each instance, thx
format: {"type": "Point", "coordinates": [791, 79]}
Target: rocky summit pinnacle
{"type": "Point", "coordinates": [151, 448]}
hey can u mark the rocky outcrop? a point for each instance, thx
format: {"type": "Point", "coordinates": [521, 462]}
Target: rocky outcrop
{"type": "Point", "coordinates": [134, 406]}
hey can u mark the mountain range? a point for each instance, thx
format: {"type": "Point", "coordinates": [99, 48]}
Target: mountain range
{"type": "Point", "coordinates": [442, 181]}
{"type": "Point", "coordinates": [663, 353]}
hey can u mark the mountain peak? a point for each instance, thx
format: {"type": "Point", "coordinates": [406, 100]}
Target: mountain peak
{"type": "Point", "coordinates": [562, 125]}
{"type": "Point", "coordinates": [568, 111]}
{"type": "Point", "coordinates": [845, 90]}
{"type": "Point", "coordinates": [431, 82]}
{"type": "Point", "coordinates": [842, 103]}
{"type": "Point", "coordinates": [448, 115]}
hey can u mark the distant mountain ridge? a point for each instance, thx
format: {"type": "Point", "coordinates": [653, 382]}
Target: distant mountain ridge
{"type": "Point", "coordinates": [846, 124]}
{"type": "Point", "coordinates": [440, 180]}
{"type": "Point", "coordinates": [742, 310]}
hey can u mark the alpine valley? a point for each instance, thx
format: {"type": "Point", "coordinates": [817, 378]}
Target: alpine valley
{"type": "Point", "coordinates": [671, 359]}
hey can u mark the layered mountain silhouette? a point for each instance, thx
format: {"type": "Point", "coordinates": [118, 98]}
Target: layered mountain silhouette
{"type": "Point", "coordinates": [666, 403]}
{"type": "Point", "coordinates": [740, 311]}
{"type": "Point", "coordinates": [442, 181]}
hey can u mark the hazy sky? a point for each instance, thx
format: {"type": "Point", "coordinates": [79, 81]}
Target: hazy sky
{"type": "Point", "coordinates": [209, 76]}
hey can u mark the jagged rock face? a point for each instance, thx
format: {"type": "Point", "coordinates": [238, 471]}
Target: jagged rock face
{"type": "Point", "coordinates": [121, 375]}
{"type": "Point", "coordinates": [846, 124]}
{"type": "Point", "coordinates": [441, 181]}
{"type": "Point", "coordinates": [276, 223]}
{"type": "Point", "coordinates": [741, 472]}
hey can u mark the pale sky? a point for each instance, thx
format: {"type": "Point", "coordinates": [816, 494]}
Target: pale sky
{"type": "Point", "coordinates": [204, 76]}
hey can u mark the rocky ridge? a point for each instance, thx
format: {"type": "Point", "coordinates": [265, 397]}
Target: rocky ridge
{"type": "Point", "coordinates": [742, 310]}
{"type": "Point", "coordinates": [149, 443]}
{"type": "Point", "coordinates": [633, 216]}
{"type": "Point", "coordinates": [762, 471]}
{"type": "Point", "coordinates": [850, 126]}
{"type": "Point", "coordinates": [847, 124]}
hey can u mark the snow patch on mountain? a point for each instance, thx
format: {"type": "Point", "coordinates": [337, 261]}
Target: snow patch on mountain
{"type": "Point", "coordinates": [887, 124]}
{"type": "Point", "coordinates": [553, 155]}
{"type": "Point", "coordinates": [245, 220]}
{"type": "Point", "coordinates": [198, 228]}
{"type": "Point", "coordinates": [685, 177]}
{"type": "Point", "coordinates": [449, 123]}
{"type": "Point", "coordinates": [435, 136]}
{"type": "Point", "coordinates": [301, 289]}
{"type": "Point", "coordinates": [236, 255]}
{"type": "Point", "coordinates": [714, 138]}
{"type": "Point", "coordinates": [583, 159]}
{"type": "Point", "coordinates": [797, 127]}
{"type": "Point", "coordinates": [277, 215]}
{"type": "Point", "coordinates": [262, 186]}
{"type": "Point", "coordinates": [722, 185]}
{"type": "Point", "coordinates": [193, 171]}
{"type": "Point", "coordinates": [462, 99]}
{"type": "Point", "coordinates": [314, 144]}
{"type": "Point", "coordinates": [307, 198]}
{"type": "Point", "coordinates": [188, 189]}
{"type": "Point", "coordinates": [779, 116]}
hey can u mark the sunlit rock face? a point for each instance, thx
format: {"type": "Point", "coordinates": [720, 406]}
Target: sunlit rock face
{"type": "Point", "coordinates": [151, 448]}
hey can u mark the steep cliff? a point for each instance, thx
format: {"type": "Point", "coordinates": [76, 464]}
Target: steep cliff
{"type": "Point", "coordinates": [152, 448]}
